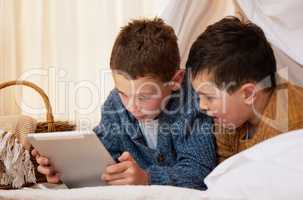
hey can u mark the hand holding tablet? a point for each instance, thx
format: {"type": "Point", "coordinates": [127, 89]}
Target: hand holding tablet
{"type": "Point", "coordinates": [79, 157]}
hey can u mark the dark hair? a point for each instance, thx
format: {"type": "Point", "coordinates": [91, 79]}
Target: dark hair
{"type": "Point", "coordinates": [146, 48]}
{"type": "Point", "coordinates": [233, 52]}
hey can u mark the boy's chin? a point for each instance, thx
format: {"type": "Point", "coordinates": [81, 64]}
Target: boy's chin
{"type": "Point", "coordinates": [146, 118]}
{"type": "Point", "coordinates": [140, 118]}
{"type": "Point", "coordinates": [225, 124]}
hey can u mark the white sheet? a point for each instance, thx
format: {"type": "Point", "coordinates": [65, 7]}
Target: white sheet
{"type": "Point", "coordinates": [270, 170]}
{"type": "Point", "coordinates": [189, 18]}
{"type": "Point", "coordinates": [282, 22]}
{"type": "Point", "coordinates": [107, 193]}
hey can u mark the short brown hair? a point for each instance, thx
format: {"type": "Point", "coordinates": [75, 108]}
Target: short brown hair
{"type": "Point", "coordinates": [146, 48]}
{"type": "Point", "coordinates": [234, 52]}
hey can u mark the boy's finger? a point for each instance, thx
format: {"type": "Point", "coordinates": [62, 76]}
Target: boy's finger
{"type": "Point", "coordinates": [35, 152]}
{"type": "Point", "coordinates": [125, 156]}
{"type": "Point", "coordinates": [124, 181]}
{"type": "Point", "coordinates": [112, 177]}
{"type": "Point", "coordinates": [47, 171]}
{"type": "Point", "coordinates": [42, 161]}
{"type": "Point", "coordinates": [53, 179]}
{"type": "Point", "coordinates": [118, 168]}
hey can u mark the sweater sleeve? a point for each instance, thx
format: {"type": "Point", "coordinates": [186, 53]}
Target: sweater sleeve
{"type": "Point", "coordinates": [109, 128]}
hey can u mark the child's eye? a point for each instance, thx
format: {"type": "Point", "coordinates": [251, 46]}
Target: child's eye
{"type": "Point", "coordinates": [144, 98]}
{"type": "Point", "coordinates": [209, 98]}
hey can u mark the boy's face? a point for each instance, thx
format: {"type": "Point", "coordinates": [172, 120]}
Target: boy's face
{"type": "Point", "coordinates": [143, 97]}
{"type": "Point", "coordinates": [229, 110]}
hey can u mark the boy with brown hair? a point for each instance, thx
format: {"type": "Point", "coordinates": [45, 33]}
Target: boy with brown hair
{"type": "Point", "coordinates": [149, 122]}
{"type": "Point", "coordinates": [234, 74]}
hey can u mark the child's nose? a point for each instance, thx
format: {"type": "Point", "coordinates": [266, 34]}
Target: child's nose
{"type": "Point", "coordinates": [203, 105]}
{"type": "Point", "coordinates": [132, 105]}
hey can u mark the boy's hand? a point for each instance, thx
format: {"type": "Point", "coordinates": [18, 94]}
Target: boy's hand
{"type": "Point", "coordinates": [45, 168]}
{"type": "Point", "coordinates": [127, 172]}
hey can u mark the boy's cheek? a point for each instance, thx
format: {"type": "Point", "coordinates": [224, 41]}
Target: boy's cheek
{"type": "Point", "coordinates": [153, 109]}
{"type": "Point", "coordinates": [216, 109]}
{"type": "Point", "coordinates": [151, 105]}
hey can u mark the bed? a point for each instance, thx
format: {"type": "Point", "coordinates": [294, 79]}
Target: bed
{"type": "Point", "coordinates": [269, 170]}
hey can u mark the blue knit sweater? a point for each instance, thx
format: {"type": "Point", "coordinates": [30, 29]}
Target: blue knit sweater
{"type": "Point", "coordinates": [185, 152]}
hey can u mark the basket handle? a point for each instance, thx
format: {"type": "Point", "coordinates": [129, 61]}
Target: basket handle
{"type": "Point", "coordinates": [49, 115]}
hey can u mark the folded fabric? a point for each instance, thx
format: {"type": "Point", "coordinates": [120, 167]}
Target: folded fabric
{"type": "Point", "coordinates": [16, 167]}
{"type": "Point", "coordinates": [18, 125]}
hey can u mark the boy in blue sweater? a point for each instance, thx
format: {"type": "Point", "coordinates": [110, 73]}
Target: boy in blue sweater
{"type": "Point", "coordinates": [151, 123]}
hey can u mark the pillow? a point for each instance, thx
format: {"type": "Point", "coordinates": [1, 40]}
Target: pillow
{"type": "Point", "coordinates": [272, 169]}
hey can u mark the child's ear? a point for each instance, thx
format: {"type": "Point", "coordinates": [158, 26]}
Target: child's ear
{"type": "Point", "coordinates": [177, 79]}
{"type": "Point", "coordinates": [248, 92]}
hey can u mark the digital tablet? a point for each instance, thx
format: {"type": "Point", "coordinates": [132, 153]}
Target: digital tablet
{"type": "Point", "coordinates": [79, 157]}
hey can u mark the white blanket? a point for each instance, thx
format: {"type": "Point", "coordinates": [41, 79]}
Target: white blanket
{"type": "Point", "coordinates": [269, 170]}
{"type": "Point", "coordinates": [106, 193]}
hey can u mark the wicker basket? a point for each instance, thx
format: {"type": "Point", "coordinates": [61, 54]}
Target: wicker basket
{"type": "Point", "coordinates": [48, 126]}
